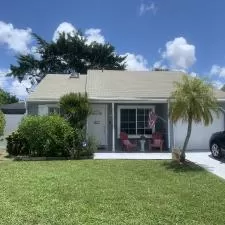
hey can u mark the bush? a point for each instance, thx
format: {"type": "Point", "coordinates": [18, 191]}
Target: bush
{"type": "Point", "coordinates": [49, 136]}
{"type": "Point", "coordinates": [46, 135]}
{"type": "Point", "coordinates": [75, 108]}
{"type": "Point", "coordinates": [2, 123]}
{"type": "Point", "coordinates": [17, 145]}
{"type": "Point", "coordinates": [90, 148]}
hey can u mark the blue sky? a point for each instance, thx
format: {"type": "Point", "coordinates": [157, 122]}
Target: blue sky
{"type": "Point", "coordinates": [186, 35]}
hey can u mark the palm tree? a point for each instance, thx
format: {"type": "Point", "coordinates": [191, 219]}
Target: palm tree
{"type": "Point", "coordinates": [192, 101]}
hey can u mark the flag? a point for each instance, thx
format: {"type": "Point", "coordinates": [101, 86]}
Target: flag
{"type": "Point", "coordinates": [152, 117]}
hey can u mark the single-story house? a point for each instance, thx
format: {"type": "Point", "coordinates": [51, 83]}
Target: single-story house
{"type": "Point", "coordinates": [121, 101]}
{"type": "Point", "coordinates": [13, 115]}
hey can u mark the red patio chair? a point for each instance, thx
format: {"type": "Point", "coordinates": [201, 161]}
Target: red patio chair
{"type": "Point", "coordinates": [125, 142]}
{"type": "Point", "coordinates": [156, 142]}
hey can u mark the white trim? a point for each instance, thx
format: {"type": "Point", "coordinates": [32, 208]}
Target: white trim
{"type": "Point", "coordinates": [115, 100]}
{"type": "Point", "coordinates": [113, 127]}
{"type": "Point", "coordinates": [110, 100]}
{"type": "Point", "coordinates": [106, 124]}
{"type": "Point", "coordinates": [168, 126]}
{"type": "Point", "coordinates": [132, 107]}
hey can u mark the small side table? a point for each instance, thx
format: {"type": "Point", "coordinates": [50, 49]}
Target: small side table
{"type": "Point", "coordinates": [142, 145]}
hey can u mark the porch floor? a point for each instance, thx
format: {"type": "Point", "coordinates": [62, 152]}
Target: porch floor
{"type": "Point", "coordinates": [136, 155]}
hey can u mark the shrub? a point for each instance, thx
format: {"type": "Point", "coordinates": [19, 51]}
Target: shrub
{"type": "Point", "coordinates": [47, 135]}
{"type": "Point", "coordinates": [90, 148]}
{"type": "Point", "coordinates": [2, 123]}
{"type": "Point", "coordinates": [75, 108]}
{"type": "Point", "coordinates": [16, 145]}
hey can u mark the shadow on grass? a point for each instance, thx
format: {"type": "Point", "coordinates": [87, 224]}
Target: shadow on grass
{"type": "Point", "coordinates": [185, 167]}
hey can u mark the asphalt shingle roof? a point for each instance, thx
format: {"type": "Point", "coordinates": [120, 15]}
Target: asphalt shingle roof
{"type": "Point", "coordinates": [112, 85]}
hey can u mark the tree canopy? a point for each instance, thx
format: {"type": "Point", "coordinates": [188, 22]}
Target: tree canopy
{"type": "Point", "coordinates": [192, 101]}
{"type": "Point", "coordinates": [69, 53]}
{"type": "Point", "coordinates": [7, 98]}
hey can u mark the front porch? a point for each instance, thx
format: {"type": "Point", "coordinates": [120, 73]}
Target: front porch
{"type": "Point", "coordinates": [108, 120]}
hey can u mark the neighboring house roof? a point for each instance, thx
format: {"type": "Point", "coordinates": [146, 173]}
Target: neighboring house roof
{"type": "Point", "coordinates": [53, 86]}
{"type": "Point", "coordinates": [14, 108]}
{"type": "Point", "coordinates": [112, 85]}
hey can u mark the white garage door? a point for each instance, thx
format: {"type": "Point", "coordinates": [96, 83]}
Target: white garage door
{"type": "Point", "coordinates": [200, 134]}
{"type": "Point", "coordinates": [12, 123]}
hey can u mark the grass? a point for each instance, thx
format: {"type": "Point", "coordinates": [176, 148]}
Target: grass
{"type": "Point", "coordinates": [109, 192]}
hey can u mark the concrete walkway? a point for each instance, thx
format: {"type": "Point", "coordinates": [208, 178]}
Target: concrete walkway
{"type": "Point", "coordinates": [138, 155]}
{"type": "Point", "coordinates": [205, 160]}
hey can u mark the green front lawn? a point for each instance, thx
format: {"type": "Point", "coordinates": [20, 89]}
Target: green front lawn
{"type": "Point", "coordinates": [109, 192]}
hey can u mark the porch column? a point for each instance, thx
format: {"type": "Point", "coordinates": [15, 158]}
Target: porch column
{"type": "Point", "coordinates": [169, 125]}
{"type": "Point", "coordinates": [113, 128]}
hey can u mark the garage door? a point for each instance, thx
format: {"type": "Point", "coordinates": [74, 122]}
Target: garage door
{"type": "Point", "coordinates": [200, 134]}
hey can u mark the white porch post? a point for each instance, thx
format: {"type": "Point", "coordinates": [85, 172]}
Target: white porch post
{"type": "Point", "coordinates": [169, 128]}
{"type": "Point", "coordinates": [113, 128]}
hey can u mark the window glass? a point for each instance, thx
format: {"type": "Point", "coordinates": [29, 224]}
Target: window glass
{"type": "Point", "coordinates": [53, 110]}
{"type": "Point", "coordinates": [135, 121]}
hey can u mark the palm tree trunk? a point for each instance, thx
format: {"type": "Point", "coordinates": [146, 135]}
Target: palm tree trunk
{"type": "Point", "coordinates": [182, 156]}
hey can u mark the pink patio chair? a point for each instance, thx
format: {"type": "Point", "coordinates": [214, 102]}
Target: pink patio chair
{"type": "Point", "coordinates": [125, 142]}
{"type": "Point", "coordinates": [156, 142]}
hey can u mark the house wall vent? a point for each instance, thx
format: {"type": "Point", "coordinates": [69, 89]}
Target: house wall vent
{"type": "Point", "coordinates": [74, 75]}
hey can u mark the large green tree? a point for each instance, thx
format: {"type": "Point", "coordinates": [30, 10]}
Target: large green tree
{"type": "Point", "coordinates": [193, 100]}
{"type": "Point", "coordinates": [69, 53]}
{"type": "Point", "coordinates": [7, 98]}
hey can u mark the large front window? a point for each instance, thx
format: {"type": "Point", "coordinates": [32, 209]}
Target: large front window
{"type": "Point", "coordinates": [134, 120]}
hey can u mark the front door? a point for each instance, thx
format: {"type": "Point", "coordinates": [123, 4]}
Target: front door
{"type": "Point", "coordinates": [97, 124]}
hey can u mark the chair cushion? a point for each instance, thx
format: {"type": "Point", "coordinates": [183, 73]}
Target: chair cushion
{"type": "Point", "coordinates": [126, 142]}
{"type": "Point", "coordinates": [157, 142]}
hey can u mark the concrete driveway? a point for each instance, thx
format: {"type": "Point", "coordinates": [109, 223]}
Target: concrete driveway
{"type": "Point", "coordinates": [205, 160]}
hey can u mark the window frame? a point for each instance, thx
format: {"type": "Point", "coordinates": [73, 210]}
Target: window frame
{"type": "Point", "coordinates": [152, 107]}
{"type": "Point", "coordinates": [53, 106]}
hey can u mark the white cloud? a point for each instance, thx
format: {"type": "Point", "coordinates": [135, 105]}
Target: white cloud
{"type": "Point", "coordinates": [15, 39]}
{"type": "Point", "coordinates": [35, 53]}
{"type": "Point", "coordinates": [3, 77]}
{"type": "Point", "coordinates": [13, 86]}
{"type": "Point", "coordinates": [179, 53]}
{"type": "Point", "coordinates": [157, 64]}
{"type": "Point", "coordinates": [65, 27]}
{"type": "Point", "coordinates": [218, 84]}
{"type": "Point", "coordinates": [136, 62]}
{"type": "Point", "coordinates": [149, 7]}
{"type": "Point", "coordinates": [93, 34]}
{"type": "Point", "coordinates": [193, 74]}
{"type": "Point", "coordinates": [18, 89]}
{"type": "Point", "coordinates": [218, 70]}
